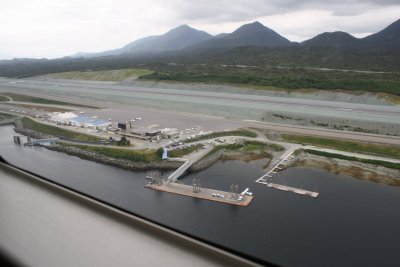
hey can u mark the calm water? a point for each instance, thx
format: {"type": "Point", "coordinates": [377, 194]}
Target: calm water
{"type": "Point", "coordinates": [351, 223]}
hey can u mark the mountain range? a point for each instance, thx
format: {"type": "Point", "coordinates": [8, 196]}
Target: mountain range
{"type": "Point", "coordinates": [186, 39]}
{"type": "Point", "coordinates": [251, 44]}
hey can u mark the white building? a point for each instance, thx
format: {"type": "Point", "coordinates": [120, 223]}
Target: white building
{"type": "Point", "coordinates": [62, 117]}
{"type": "Point", "coordinates": [169, 133]}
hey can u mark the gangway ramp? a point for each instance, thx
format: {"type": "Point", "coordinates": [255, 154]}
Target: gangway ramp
{"type": "Point", "coordinates": [282, 161]}
{"type": "Point", "coordinates": [176, 174]}
{"type": "Point", "coordinates": [42, 142]}
{"type": "Point", "coordinates": [165, 153]}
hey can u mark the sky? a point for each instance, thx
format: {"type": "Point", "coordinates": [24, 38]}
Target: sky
{"type": "Point", "coordinates": [57, 28]}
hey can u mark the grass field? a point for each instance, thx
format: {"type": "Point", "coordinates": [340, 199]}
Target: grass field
{"type": "Point", "coordinates": [132, 155]}
{"type": "Point", "coordinates": [43, 108]}
{"type": "Point", "coordinates": [246, 147]}
{"type": "Point", "coordinates": [56, 131]}
{"type": "Point", "coordinates": [38, 100]}
{"type": "Point", "coordinates": [5, 116]}
{"type": "Point", "coordinates": [386, 164]}
{"type": "Point", "coordinates": [221, 134]}
{"type": "Point", "coordinates": [102, 75]}
{"type": "Point", "coordinates": [3, 98]}
{"type": "Point", "coordinates": [350, 146]}
{"type": "Point", "coordinates": [184, 151]}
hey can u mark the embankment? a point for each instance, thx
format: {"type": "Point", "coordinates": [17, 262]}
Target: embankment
{"type": "Point", "coordinates": [121, 163]}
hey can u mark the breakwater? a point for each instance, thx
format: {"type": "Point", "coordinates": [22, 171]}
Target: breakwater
{"type": "Point", "coordinates": [121, 163]}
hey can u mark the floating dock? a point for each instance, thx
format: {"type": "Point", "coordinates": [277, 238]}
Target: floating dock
{"type": "Point", "coordinates": [289, 189]}
{"type": "Point", "coordinates": [205, 193]}
{"type": "Point", "coordinates": [282, 162]}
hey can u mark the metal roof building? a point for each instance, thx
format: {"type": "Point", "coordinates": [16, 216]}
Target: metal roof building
{"type": "Point", "coordinates": [80, 120]}
{"type": "Point", "coordinates": [96, 123]}
{"type": "Point", "coordinates": [63, 117]}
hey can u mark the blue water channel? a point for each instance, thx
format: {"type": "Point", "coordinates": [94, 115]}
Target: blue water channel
{"type": "Point", "coordinates": [351, 223]}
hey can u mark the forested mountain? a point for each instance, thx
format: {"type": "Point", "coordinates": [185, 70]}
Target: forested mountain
{"type": "Point", "coordinates": [337, 40]}
{"type": "Point", "coordinates": [175, 39]}
{"type": "Point", "coordinates": [253, 34]}
{"type": "Point", "coordinates": [387, 38]}
{"type": "Point", "coordinates": [251, 44]}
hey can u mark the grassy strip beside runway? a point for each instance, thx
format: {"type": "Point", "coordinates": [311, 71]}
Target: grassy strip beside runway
{"type": "Point", "coordinates": [102, 75]}
{"type": "Point", "coordinates": [38, 100]}
{"type": "Point", "coordinates": [390, 165]}
{"type": "Point", "coordinates": [56, 131]}
{"type": "Point", "coordinates": [245, 133]}
{"type": "Point", "coordinates": [349, 146]}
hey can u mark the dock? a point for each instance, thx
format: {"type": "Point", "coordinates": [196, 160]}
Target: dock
{"type": "Point", "coordinates": [290, 189]}
{"type": "Point", "coordinates": [205, 193]}
{"type": "Point", "coordinates": [272, 171]}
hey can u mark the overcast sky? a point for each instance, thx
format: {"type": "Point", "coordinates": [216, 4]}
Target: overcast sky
{"type": "Point", "coordinates": [56, 28]}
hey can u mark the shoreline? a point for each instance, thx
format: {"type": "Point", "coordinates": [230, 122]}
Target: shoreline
{"type": "Point", "coordinates": [356, 170]}
{"type": "Point", "coordinates": [95, 157]}
{"type": "Point", "coordinates": [120, 163]}
{"type": "Point", "coordinates": [200, 165]}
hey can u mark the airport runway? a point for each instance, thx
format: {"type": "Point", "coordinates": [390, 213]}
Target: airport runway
{"type": "Point", "coordinates": [217, 103]}
{"type": "Point", "coordinates": [187, 108]}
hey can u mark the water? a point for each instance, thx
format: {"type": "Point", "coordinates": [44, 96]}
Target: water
{"type": "Point", "coordinates": [351, 223]}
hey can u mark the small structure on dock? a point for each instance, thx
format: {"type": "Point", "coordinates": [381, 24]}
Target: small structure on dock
{"type": "Point", "coordinates": [196, 186]}
{"type": "Point", "coordinates": [156, 178]}
{"type": "Point", "coordinates": [17, 139]}
{"type": "Point", "coordinates": [234, 191]}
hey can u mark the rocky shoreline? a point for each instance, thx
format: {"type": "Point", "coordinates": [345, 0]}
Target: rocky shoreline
{"type": "Point", "coordinates": [203, 164]}
{"type": "Point", "coordinates": [92, 156]}
{"type": "Point", "coordinates": [357, 170]}
{"type": "Point", "coordinates": [121, 163]}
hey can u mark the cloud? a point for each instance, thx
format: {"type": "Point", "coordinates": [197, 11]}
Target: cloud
{"type": "Point", "coordinates": [55, 28]}
{"type": "Point", "coordinates": [218, 11]}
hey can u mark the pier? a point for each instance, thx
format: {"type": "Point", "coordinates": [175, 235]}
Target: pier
{"type": "Point", "coordinates": [204, 193]}
{"type": "Point", "coordinates": [290, 189]}
{"type": "Point", "coordinates": [269, 174]}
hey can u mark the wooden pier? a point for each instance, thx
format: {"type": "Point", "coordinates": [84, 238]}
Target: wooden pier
{"type": "Point", "coordinates": [205, 193]}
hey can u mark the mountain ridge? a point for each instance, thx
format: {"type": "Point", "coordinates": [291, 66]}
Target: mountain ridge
{"type": "Point", "coordinates": [337, 39]}
{"type": "Point", "coordinates": [186, 39]}
{"type": "Point", "coordinates": [251, 34]}
{"type": "Point", "coordinates": [175, 39]}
